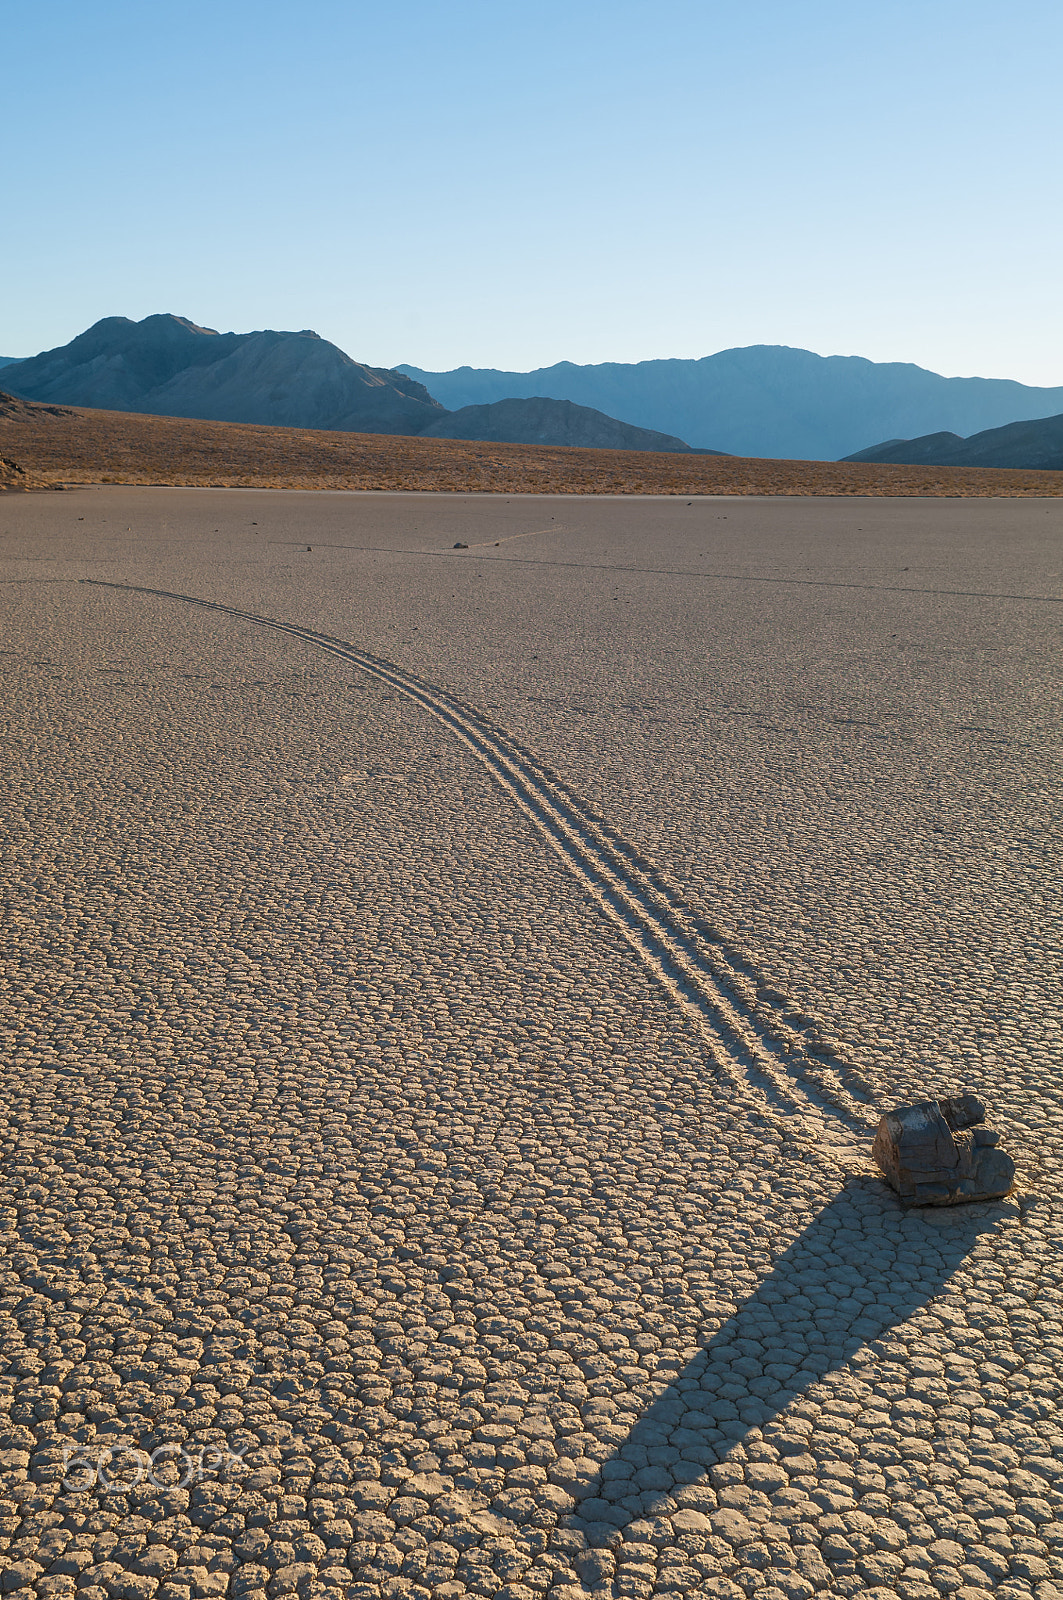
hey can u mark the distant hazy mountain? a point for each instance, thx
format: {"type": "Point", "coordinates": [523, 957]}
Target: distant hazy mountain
{"type": "Point", "coordinates": [1037, 445]}
{"type": "Point", "coordinates": [541, 421]}
{"type": "Point", "coordinates": [167, 366]}
{"type": "Point", "coordinates": [5, 361]}
{"type": "Point", "coordinates": [910, 452]}
{"type": "Point", "coordinates": [763, 400]}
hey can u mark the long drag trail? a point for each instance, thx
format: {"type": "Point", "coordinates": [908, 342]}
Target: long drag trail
{"type": "Point", "coordinates": [746, 1036]}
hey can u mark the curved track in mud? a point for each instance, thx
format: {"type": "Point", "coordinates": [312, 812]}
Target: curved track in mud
{"type": "Point", "coordinates": [747, 1036]}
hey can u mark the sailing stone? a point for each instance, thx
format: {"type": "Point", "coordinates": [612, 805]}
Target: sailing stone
{"type": "Point", "coordinates": [939, 1153]}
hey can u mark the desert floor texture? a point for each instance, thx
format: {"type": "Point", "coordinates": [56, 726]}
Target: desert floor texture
{"type": "Point", "coordinates": [74, 446]}
{"type": "Point", "coordinates": [442, 1043]}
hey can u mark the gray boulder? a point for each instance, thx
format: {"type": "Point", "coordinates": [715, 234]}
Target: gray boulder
{"type": "Point", "coordinates": [939, 1153]}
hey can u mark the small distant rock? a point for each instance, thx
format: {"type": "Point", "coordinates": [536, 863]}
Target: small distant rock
{"type": "Point", "coordinates": [938, 1153]}
{"type": "Point", "coordinates": [460, 546]}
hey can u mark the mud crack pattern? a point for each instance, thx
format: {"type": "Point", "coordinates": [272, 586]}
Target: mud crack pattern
{"type": "Point", "coordinates": [344, 1135]}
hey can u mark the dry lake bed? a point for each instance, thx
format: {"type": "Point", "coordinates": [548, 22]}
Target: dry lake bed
{"type": "Point", "coordinates": [443, 1034]}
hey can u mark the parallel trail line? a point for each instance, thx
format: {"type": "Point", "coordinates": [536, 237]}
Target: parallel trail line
{"type": "Point", "coordinates": [747, 1038]}
{"type": "Point", "coordinates": [467, 554]}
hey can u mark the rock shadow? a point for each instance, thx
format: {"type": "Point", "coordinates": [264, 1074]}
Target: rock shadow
{"type": "Point", "coordinates": [863, 1266]}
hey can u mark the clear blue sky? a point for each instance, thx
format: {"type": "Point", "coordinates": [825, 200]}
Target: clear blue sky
{"type": "Point", "coordinates": [451, 181]}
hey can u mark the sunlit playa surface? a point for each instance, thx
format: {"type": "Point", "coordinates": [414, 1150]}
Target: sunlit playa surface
{"type": "Point", "coordinates": [450, 996]}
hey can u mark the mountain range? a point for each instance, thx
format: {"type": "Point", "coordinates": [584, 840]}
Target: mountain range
{"type": "Point", "coordinates": [764, 400]}
{"type": "Point", "coordinates": [168, 366]}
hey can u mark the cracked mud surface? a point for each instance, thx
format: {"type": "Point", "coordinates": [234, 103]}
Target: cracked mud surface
{"type": "Point", "coordinates": [349, 1143]}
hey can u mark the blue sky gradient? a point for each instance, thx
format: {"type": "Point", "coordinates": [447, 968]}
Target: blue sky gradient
{"type": "Point", "coordinates": [509, 186]}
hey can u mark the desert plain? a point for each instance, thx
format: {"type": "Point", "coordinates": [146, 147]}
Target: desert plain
{"type": "Point", "coordinates": [58, 446]}
{"type": "Point", "coordinates": [443, 1035]}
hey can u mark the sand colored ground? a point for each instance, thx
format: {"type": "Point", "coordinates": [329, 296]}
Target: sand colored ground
{"type": "Point", "coordinates": [61, 445]}
{"type": "Point", "coordinates": [440, 1045]}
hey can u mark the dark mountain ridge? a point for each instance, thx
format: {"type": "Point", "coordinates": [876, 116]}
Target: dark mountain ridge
{"type": "Point", "coordinates": [168, 366]}
{"type": "Point", "coordinates": [1036, 444]}
{"type": "Point", "coordinates": [763, 400]}
{"type": "Point", "coordinates": [554, 422]}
